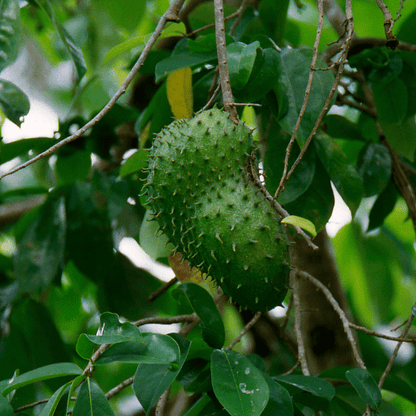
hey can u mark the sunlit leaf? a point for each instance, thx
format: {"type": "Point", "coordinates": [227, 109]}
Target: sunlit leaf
{"type": "Point", "coordinates": [13, 101]}
{"type": "Point", "coordinates": [179, 90]}
{"type": "Point", "coordinates": [300, 222]}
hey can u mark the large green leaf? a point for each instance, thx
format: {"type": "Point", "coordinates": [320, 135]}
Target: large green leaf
{"type": "Point", "coordinates": [13, 101]}
{"type": "Point", "coordinates": [238, 385]}
{"type": "Point", "coordinates": [213, 332]}
{"type": "Point", "coordinates": [43, 373]}
{"type": "Point", "coordinates": [91, 401]}
{"type": "Point", "coordinates": [316, 386]}
{"type": "Point", "coordinates": [110, 331]}
{"type": "Point", "coordinates": [342, 174]}
{"type": "Point", "coordinates": [241, 59]}
{"type": "Point", "coordinates": [374, 167]}
{"type": "Point", "coordinates": [153, 349]}
{"type": "Point", "coordinates": [125, 13]}
{"type": "Point", "coordinates": [383, 206]}
{"type": "Point", "coordinates": [6, 408]}
{"type": "Point", "coordinates": [74, 51]}
{"type": "Point", "coordinates": [295, 78]}
{"type": "Point", "coordinates": [41, 249]}
{"type": "Point", "coordinates": [10, 32]}
{"type": "Point", "coordinates": [9, 151]}
{"type": "Point", "coordinates": [365, 385]}
{"type": "Point", "coordinates": [280, 402]}
{"type": "Point", "coordinates": [152, 380]}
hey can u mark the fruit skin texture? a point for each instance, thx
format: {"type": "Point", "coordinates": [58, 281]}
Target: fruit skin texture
{"type": "Point", "coordinates": [201, 194]}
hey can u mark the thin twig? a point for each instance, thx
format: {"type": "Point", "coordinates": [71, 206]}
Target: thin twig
{"type": "Point", "coordinates": [396, 351]}
{"type": "Point", "coordinates": [117, 389]}
{"type": "Point", "coordinates": [388, 25]}
{"type": "Point", "coordinates": [301, 347]}
{"type": "Point", "coordinates": [162, 289]}
{"type": "Point", "coordinates": [165, 321]}
{"type": "Point", "coordinates": [227, 93]}
{"type": "Point", "coordinates": [292, 370]}
{"type": "Point", "coordinates": [244, 331]}
{"type": "Point", "coordinates": [161, 404]}
{"type": "Point", "coordinates": [240, 13]}
{"type": "Point", "coordinates": [305, 99]}
{"type": "Point", "coordinates": [287, 314]}
{"type": "Point", "coordinates": [170, 15]}
{"type": "Point", "coordinates": [280, 210]}
{"type": "Point", "coordinates": [379, 335]}
{"type": "Point", "coordinates": [30, 405]}
{"type": "Point", "coordinates": [338, 310]}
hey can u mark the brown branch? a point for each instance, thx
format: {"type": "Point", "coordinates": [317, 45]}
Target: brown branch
{"type": "Point", "coordinates": [161, 404]}
{"type": "Point", "coordinates": [117, 389]}
{"type": "Point", "coordinates": [244, 331]}
{"type": "Point", "coordinates": [379, 335]}
{"type": "Point", "coordinates": [162, 289]}
{"type": "Point", "coordinates": [170, 15]}
{"type": "Point", "coordinates": [388, 25]}
{"type": "Point", "coordinates": [284, 177]}
{"type": "Point", "coordinates": [227, 93]}
{"type": "Point", "coordinates": [396, 351]}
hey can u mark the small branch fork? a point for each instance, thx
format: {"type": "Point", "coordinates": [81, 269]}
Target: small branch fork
{"type": "Point", "coordinates": [171, 14]}
{"type": "Point", "coordinates": [392, 41]}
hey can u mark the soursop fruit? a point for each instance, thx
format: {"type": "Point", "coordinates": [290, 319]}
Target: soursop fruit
{"type": "Point", "coordinates": [201, 193]}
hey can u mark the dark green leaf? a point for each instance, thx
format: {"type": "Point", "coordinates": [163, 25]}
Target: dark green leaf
{"type": "Point", "coordinates": [152, 380]}
{"type": "Point", "coordinates": [125, 13]}
{"type": "Point", "coordinates": [136, 162]}
{"type": "Point", "coordinates": [91, 401]}
{"type": "Point", "coordinates": [391, 101]}
{"type": "Point", "coordinates": [383, 206]}
{"type": "Point", "coordinates": [212, 327]}
{"type": "Point", "coordinates": [43, 373]}
{"type": "Point", "coordinates": [10, 32]}
{"type": "Point", "coordinates": [302, 176]}
{"type": "Point", "coordinates": [73, 50]}
{"type": "Point", "coordinates": [238, 385]}
{"type": "Point", "coordinates": [50, 407]}
{"type": "Point", "coordinates": [41, 249]}
{"type": "Point", "coordinates": [294, 80]}
{"type": "Point", "coordinates": [314, 385]}
{"type": "Point", "coordinates": [374, 167]}
{"type": "Point", "coordinates": [241, 58]}
{"type": "Point", "coordinates": [365, 386]}
{"type": "Point", "coordinates": [5, 407]}
{"type": "Point", "coordinates": [73, 167]}
{"type": "Point", "coordinates": [280, 402]}
{"type": "Point", "coordinates": [9, 151]}
{"type": "Point", "coordinates": [153, 349]}
{"type": "Point", "coordinates": [110, 331]}
{"type": "Point", "coordinates": [13, 101]}
{"type": "Point", "coordinates": [340, 127]}
{"type": "Point", "coordinates": [401, 137]}
{"type": "Point", "coordinates": [342, 174]}
{"type": "Point", "coordinates": [206, 43]}
{"type": "Point", "coordinates": [195, 376]}
{"type": "Point", "coordinates": [317, 202]}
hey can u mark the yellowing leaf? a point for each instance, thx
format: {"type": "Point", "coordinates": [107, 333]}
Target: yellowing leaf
{"type": "Point", "coordinates": [179, 90]}
{"type": "Point", "coordinates": [300, 222]}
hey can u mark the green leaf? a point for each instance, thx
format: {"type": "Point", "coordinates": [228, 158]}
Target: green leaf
{"type": "Point", "coordinates": [342, 174]}
{"type": "Point", "coordinates": [241, 59]}
{"type": "Point", "coordinates": [110, 331]}
{"type": "Point", "coordinates": [135, 163]}
{"type": "Point", "coordinates": [91, 401]}
{"type": "Point", "coordinates": [41, 249]}
{"type": "Point", "coordinates": [294, 81]}
{"type": "Point", "coordinates": [390, 100]}
{"type": "Point", "coordinates": [10, 32]}
{"type": "Point", "coordinates": [50, 407]}
{"type": "Point", "coordinates": [280, 402]}
{"type": "Point", "coordinates": [13, 101]}
{"type": "Point", "coordinates": [340, 127]}
{"type": "Point", "coordinates": [153, 349]}
{"type": "Point", "coordinates": [181, 60]}
{"type": "Point", "coordinates": [401, 137]}
{"type": "Point", "coordinates": [383, 206]}
{"type": "Point", "coordinates": [238, 385]}
{"type": "Point", "coordinates": [301, 222]}
{"type": "Point", "coordinates": [9, 151]}
{"type": "Point", "coordinates": [365, 385]}
{"type": "Point", "coordinates": [74, 51]}
{"type": "Point", "coordinates": [6, 408]}
{"type": "Point", "coordinates": [43, 373]}
{"type": "Point", "coordinates": [374, 167]}
{"type": "Point", "coordinates": [73, 167]}
{"type": "Point", "coordinates": [124, 13]}
{"type": "Point", "coordinates": [314, 385]}
{"type": "Point", "coordinates": [212, 327]}
{"type": "Point", "coordinates": [152, 380]}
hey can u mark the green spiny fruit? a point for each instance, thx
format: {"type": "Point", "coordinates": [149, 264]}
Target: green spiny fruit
{"type": "Point", "coordinates": [202, 196]}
